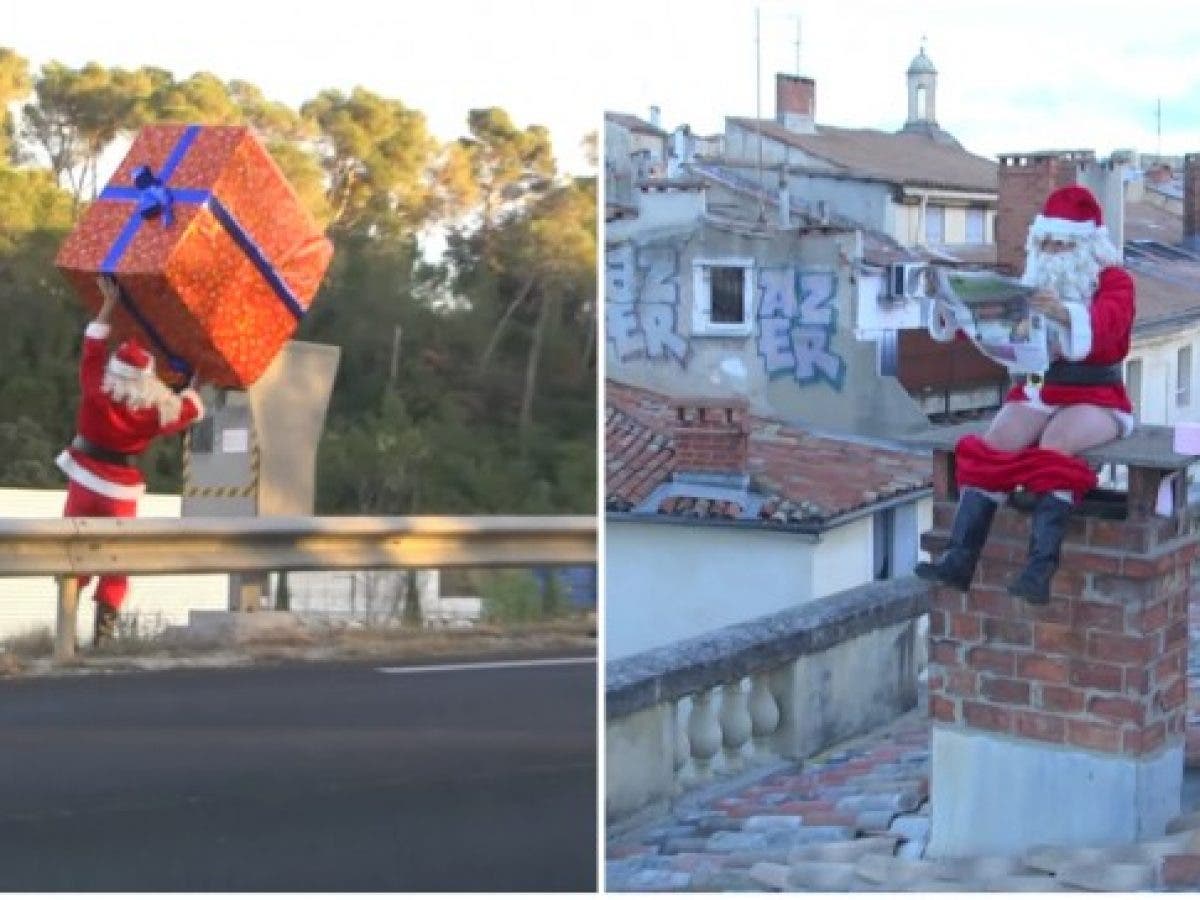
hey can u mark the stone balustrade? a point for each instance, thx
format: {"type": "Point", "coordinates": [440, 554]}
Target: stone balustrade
{"type": "Point", "coordinates": [783, 686]}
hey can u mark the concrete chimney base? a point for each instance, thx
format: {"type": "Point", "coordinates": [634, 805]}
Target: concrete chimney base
{"type": "Point", "coordinates": [997, 795]}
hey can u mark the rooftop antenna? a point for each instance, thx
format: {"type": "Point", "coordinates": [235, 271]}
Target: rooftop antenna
{"type": "Point", "coordinates": [1158, 116]}
{"type": "Point", "coordinates": [797, 46]}
{"type": "Point", "coordinates": [762, 217]}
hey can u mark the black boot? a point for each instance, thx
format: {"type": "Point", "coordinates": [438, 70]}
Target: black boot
{"type": "Point", "coordinates": [972, 520]}
{"type": "Point", "coordinates": [1047, 529]}
{"type": "Point", "coordinates": [106, 624]}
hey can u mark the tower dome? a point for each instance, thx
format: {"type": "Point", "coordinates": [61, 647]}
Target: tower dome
{"type": "Point", "coordinates": [921, 64]}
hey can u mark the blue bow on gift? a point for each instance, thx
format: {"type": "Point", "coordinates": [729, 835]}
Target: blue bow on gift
{"type": "Point", "coordinates": [154, 197]}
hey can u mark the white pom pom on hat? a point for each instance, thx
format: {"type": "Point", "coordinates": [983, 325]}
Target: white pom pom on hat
{"type": "Point", "coordinates": [131, 359]}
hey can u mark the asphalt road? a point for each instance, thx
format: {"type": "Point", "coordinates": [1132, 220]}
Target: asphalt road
{"type": "Point", "coordinates": [330, 777]}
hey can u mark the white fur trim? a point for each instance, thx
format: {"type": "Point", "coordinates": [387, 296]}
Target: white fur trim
{"type": "Point", "coordinates": [1079, 335]}
{"type": "Point", "coordinates": [194, 396]}
{"type": "Point", "coordinates": [98, 330]}
{"type": "Point", "coordinates": [942, 325]}
{"type": "Point", "coordinates": [1043, 226]}
{"type": "Point", "coordinates": [124, 370]}
{"type": "Point", "coordinates": [95, 483]}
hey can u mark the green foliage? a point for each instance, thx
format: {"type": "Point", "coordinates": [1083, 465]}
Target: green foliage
{"type": "Point", "coordinates": [466, 385]}
{"type": "Point", "coordinates": [511, 596]}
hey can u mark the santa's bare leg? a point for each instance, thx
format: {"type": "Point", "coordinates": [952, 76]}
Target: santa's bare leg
{"type": "Point", "coordinates": [1070, 431]}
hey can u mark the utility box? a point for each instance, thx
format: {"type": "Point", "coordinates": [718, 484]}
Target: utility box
{"type": "Point", "coordinates": [255, 452]}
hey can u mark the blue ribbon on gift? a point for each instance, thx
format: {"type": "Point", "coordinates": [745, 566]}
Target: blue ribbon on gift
{"type": "Point", "coordinates": [156, 199]}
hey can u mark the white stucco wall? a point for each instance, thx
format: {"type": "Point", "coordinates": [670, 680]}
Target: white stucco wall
{"type": "Point", "coordinates": [924, 523]}
{"type": "Point", "coordinates": [843, 559]}
{"type": "Point", "coordinates": [1159, 357]}
{"type": "Point", "coordinates": [665, 583]}
{"type": "Point", "coordinates": [668, 582]}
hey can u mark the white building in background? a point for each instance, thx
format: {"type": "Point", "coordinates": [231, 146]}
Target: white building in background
{"type": "Point", "coordinates": [29, 604]}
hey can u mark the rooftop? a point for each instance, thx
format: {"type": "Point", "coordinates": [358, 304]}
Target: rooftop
{"type": "Point", "coordinates": [787, 469]}
{"type": "Point", "coordinates": [910, 159]}
{"type": "Point", "coordinates": [634, 123]}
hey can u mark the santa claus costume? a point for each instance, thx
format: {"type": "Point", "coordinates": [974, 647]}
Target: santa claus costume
{"type": "Point", "coordinates": [123, 407]}
{"type": "Point", "coordinates": [1098, 297]}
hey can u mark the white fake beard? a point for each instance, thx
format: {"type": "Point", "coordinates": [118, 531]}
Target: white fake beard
{"type": "Point", "coordinates": [142, 392]}
{"type": "Point", "coordinates": [1073, 276]}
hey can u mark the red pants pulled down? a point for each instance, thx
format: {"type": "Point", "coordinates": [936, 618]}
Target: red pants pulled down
{"type": "Point", "coordinates": [1037, 469]}
{"type": "Point", "coordinates": [111, 589]}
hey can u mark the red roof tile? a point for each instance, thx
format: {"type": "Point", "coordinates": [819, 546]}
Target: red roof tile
{"type": "Point", "coordinates": [805, 477]}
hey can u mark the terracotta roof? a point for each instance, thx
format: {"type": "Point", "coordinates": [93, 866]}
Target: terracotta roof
{"type": "Point", "coordinates": [909, 159]}
{"type": "Point", "coordinates": [633, 123]}
{"type": "Point", "coordinates": [795, 477]}
{"type": "Point", "coordinates": [1151, 222]}
{"type": "Point", "coordinates": [1168, 289]}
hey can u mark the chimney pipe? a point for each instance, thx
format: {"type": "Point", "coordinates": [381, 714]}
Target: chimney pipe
{"type": "Point", "coordinates": [711, 436]}
{"type": "Point", "coordinates": [796, 103]}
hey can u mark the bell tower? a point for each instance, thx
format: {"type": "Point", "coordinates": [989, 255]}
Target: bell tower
{"type": "Point", "coordinates": [922, 91]}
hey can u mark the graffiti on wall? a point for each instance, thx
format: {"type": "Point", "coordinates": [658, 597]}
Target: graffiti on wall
{"type": "Point", "coordinates": [797, 319]}
{"type": "Point", "coordinates": [641, 310]}
{"type": "Point", "coordinates": [794, 328]}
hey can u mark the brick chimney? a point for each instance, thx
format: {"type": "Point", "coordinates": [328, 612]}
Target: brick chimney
{"type": "Point", "coordinates": [796, 103]}
{"type": "Point", "coordinates": [711, 436]}
{"type": "Point", "coordinates": [1191, 201]}
{"type": "Point", "coordinates": [1063, 724]}
{"type": "Point", "coordinates": [1025, 181]}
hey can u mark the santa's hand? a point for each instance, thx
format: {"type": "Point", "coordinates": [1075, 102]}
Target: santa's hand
{"type": "Point", "coordinates": [1046, 302]}
{"type": "Point", "coordinates": [111, 293]}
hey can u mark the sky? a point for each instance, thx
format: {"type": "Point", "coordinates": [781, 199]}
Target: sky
{"type": "Point", "coordinates": [1013, 76]}
{"type": "Point", "coordinates": [442, 58]}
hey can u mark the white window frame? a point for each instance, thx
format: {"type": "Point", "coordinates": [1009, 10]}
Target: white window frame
{"type": "Point", "coordinates": [929, 217]}
{"type": "Point", "coordinates": [1133, 385]}
{"type": "Point", "coordinates": [979, 214]}
{"type": "Point", "coordinates": [702, 323]}
{"type": "Point", "coordinates": [1183, 377]}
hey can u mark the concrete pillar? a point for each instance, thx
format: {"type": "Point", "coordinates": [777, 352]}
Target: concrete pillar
{"type": "Point", "coordinates": [1061, 724]}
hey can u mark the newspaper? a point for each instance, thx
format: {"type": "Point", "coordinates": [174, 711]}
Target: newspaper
{"type": "Point", "coordinates": [995, 314]}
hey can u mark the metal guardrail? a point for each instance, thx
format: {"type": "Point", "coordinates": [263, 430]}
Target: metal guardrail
{"type": "Point", "coordinates": [68, 548]}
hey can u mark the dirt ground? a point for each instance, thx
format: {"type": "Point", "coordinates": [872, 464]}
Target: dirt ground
{"type": "Point", "coordinates": [33, 656]}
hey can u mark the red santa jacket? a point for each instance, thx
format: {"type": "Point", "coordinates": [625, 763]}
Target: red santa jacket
{"type": "Point", "coordinates": [1099, 335]}
{"type": "Point", "coordinates": [114, 426]}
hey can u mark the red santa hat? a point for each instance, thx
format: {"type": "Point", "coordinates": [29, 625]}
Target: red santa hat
{"type": "Point", "coordinates": [130, 360]}
{"type": "Point", "coordinates": [1070, 212]}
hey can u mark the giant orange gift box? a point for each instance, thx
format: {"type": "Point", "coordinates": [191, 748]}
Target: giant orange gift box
{"type": "Point", "coordinates": [215, 258]}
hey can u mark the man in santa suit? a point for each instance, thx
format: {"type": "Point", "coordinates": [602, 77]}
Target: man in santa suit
{"type": "Point", "coordinates": [123, 407]}
{"type": "Point", "coordinates": [1078, 403]}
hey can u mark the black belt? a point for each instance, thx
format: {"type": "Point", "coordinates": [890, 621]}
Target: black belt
{"type": "Point", "coordinates": [102, 454]}
{"type": "Point", "coordinates": [1062, 372]}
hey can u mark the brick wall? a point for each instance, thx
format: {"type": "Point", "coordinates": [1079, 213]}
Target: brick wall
{"type": "Point", "coordinates": [1191, 200]}
{"type": "Point", "coordinates": [796, 96]}
{"type": "Point", "coordinates": [711, 436]}
{"type": "Point", "coordinates": [1102, 667]}
{"type": "Point", "coordinates": [1025, 181]}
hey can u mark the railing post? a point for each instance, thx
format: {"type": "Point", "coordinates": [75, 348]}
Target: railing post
{"type": "Point", "coordinates": [68, 607]}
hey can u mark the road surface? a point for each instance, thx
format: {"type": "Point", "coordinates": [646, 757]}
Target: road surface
{"type": "Point", "coordinates": [316, 777]}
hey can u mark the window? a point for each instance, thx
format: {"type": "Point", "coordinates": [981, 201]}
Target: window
{"type": "Point", "coordinates": [1183, 377]}
{"type": "Point", "coordinates": [935, 224]}
{"type": "Point", "coordinates": [884, 534]}
{"type": "Point", "coordinates": [722, 297]}
{"type": "Point", "coordinates": [1133, 386]}
{"type": "Point", "coordinates": [976, 223]}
